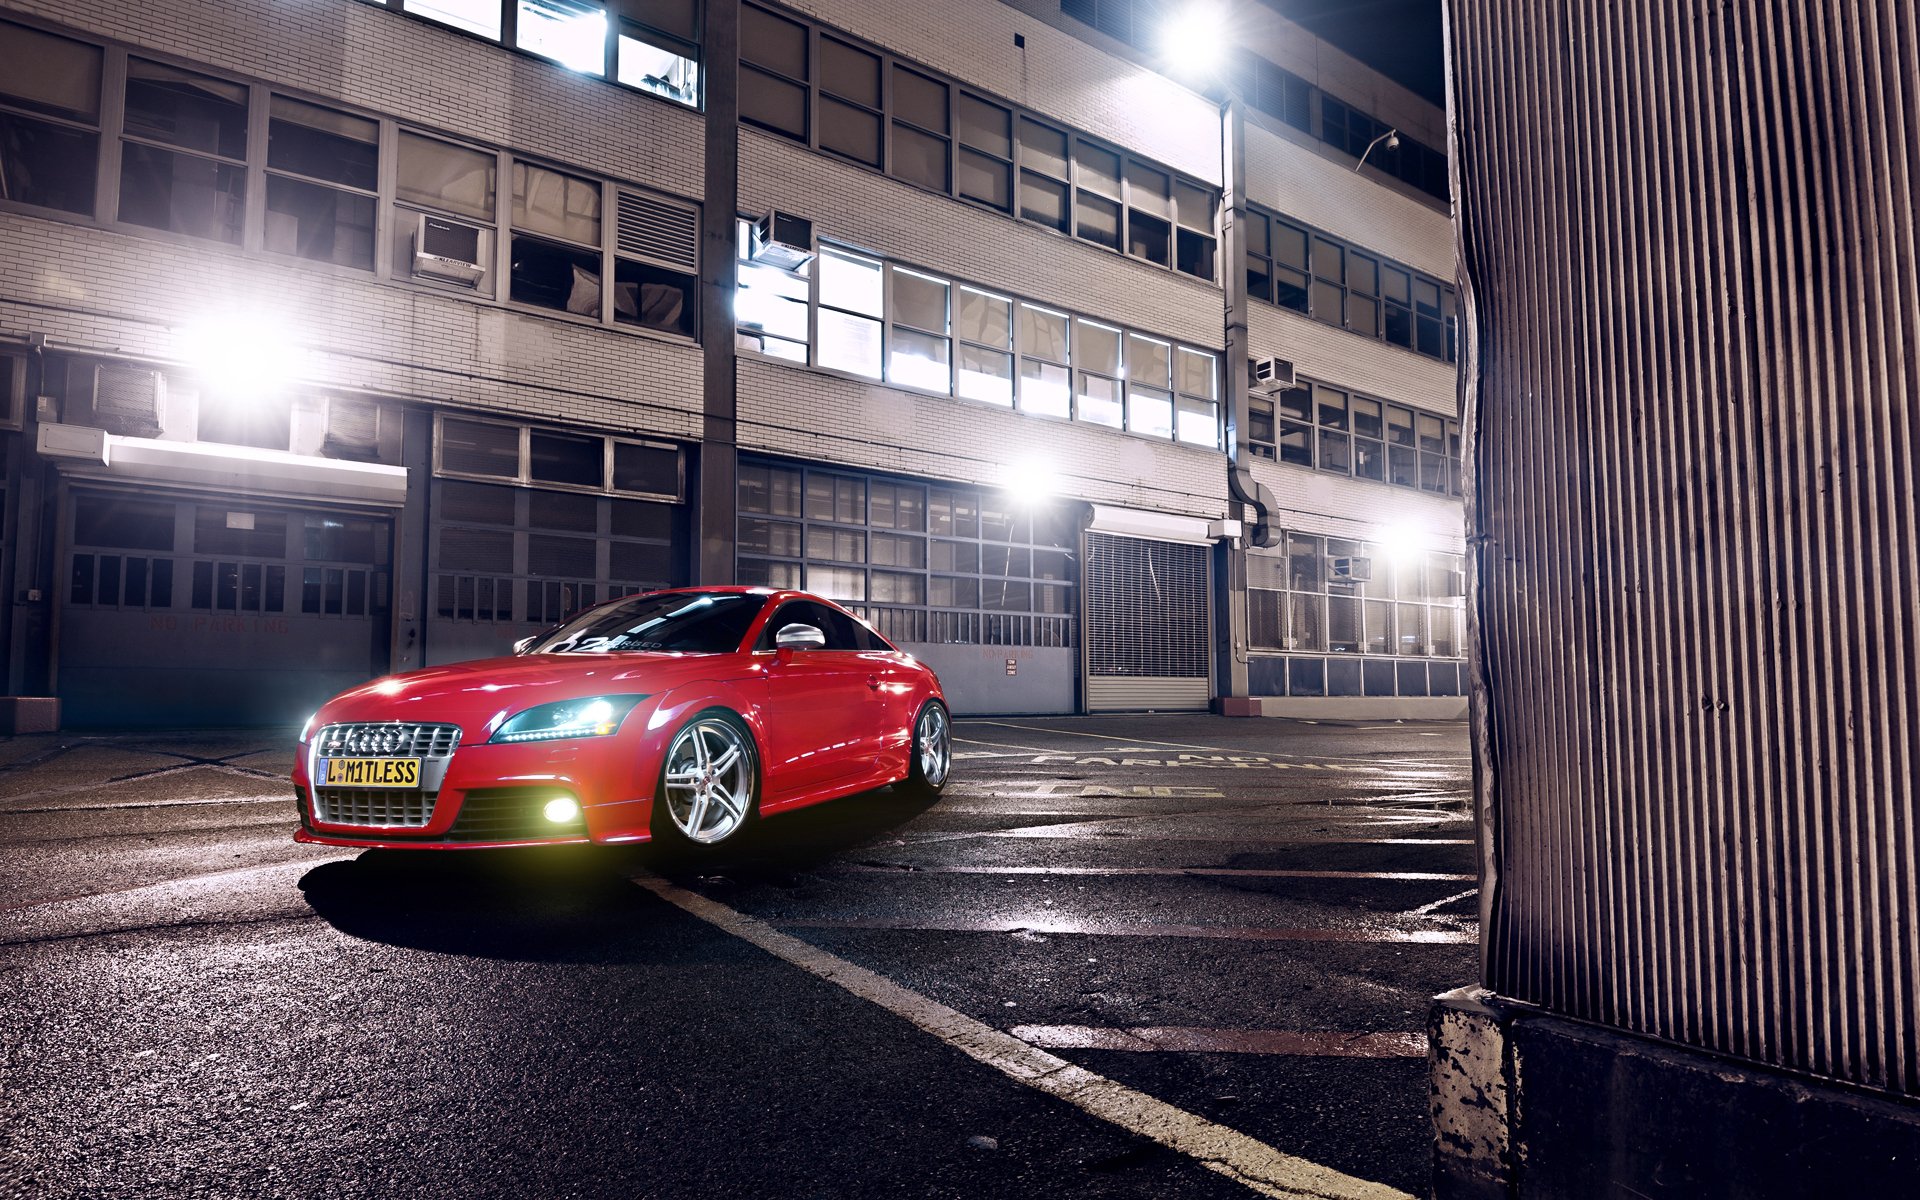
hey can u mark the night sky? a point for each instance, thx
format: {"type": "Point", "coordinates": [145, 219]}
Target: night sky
{"type": "Point", "coordinates": [1399, 38]}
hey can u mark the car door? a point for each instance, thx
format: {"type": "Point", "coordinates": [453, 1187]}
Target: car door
{"type": "Point", "coordinates": [821, 707]}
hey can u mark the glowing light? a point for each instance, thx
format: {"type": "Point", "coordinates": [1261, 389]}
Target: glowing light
{"type": "Point", "coordinates": [1401, 543]}
{"type": "Point", "coordinates": [1030, 482]}
{"type": "Point", "coordinates": [242, 354]}
{"type": "Point", "coordinates": [1194, 40]}
{"type": "Point", "coordinates": [562, 809]}
{"type": "Point", "coordinates": [390, 687]}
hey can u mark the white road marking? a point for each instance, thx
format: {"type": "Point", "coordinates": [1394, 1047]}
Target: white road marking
{"type": "Point", "coordinates": [1227, 1151]}
{"type": "Point", "coordinates": [1185, 1039]}
{"type": "Point", "coordinates": [1223, 872]}
{"type": "Point", "coordinates": [1111, 741]}
{"type": "Point", "coordinates": [1427, 910]}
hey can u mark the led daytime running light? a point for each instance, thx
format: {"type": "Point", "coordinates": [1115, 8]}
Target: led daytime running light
{"type": "Point", "coordinates": [589, 716]}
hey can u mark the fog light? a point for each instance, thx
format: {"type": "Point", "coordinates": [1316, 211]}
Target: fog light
{"type": "Point", "coordinates": [563, 810]}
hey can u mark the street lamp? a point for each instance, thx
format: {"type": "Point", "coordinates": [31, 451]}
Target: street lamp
{"type": "Point", "coordinates": [1391, 137]}
{"type": "Point", "coordinates": [241, 353]}
{"type": "Point", "coordinates": [1194, 40]}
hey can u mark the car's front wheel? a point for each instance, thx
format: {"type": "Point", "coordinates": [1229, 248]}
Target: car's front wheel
{"type": "Point", "coordinates": [932, 758]}
{"type": "Point", "coordinates": [709, 783]}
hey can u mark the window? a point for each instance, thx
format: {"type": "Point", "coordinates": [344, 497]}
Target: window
{"type": "Point", "coordinates": [1260, 427]}
{"type": "Point", "coordinates": [476, 448]}
{"type": "Point", "coordinates": [1348, 434]}
{"type": "Point", "coordinates": [1096, 194]}
{"type": "Point", "coordinates": [850, 106]}
{"type": "Point", "coordinates": [1149, 213]}
{"type": "Point", "coordinates": [924, 564]}
{"type": "Point", "coordinates": [570, 32]}
{"type": "Point", "coordinates": [1043, 174]}
{"type": "Point", "coordinates": [656, 257]}
{"type": "Point", "coordinates": [1194, 240]}
{"type": "Point", "coordinates": [984, 323]}
{"type": "Point", "coordinates": [883, 320]}
{"type": "Point", "coordinates": [1149, 386]}
{"type": "Point", "coordinates": [49, 120]}
{"type": "Point", "coordinates": [986, 152]}
{"type": "Point", "coordinates": [322, 180]}
{"type": "Point", "coordinates": [773, 72]}
{"type": "Point", "coordinates": [1198, 418]}
{"type": "Point", "coordinates": [852, 300]}
{"type": "Point", "coordinates": [919, 349]}
{"type": "Point", "coordinates": [183, 152]}
{"type": "Point", "coordinates": [1045, 387]}
{"type": "Point", "coordinates": [921, 129]}
{"type": "Point", "coordinates": [1348, 287]}
{"type": "Point", "coordinates": [1341, 597]}
{"type": "Point", "coordinates": [771, 307]}
{"type": "Point", "coordinates": [556, 238]}
{"type": "Point", "coordinates": [1096, 357]}
{"type": "Point", "coordinates": [481, 17]}
{"type": "Point", "coordinates": [658, 48]}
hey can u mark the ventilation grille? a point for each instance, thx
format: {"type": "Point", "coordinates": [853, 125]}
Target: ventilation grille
{"type": "Point", "coordinates": [1146, 608]}
{"type": "Point", "coordinates": [660, 231]}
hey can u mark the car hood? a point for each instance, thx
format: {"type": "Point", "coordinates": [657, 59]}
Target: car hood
{"type": "Point", "coordinates": [474, 694]}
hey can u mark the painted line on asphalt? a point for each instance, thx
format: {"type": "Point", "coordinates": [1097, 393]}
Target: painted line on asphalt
{"type": "Point", "coordinates": [1427, 910]}
{"type": "Point", "coordinates": [66, 808]}
{"type": "Point", "coordinates": [162, 885]}
{"type": "Point", "coordinates": [1119, 741]}
{"type": "Point", "coordinates": [1002, 745]}
{"type": "Point", "coordinates": [1224, 872]}
{"type": "Point", "coordinates": [1077, 829]}
{"type": "Point", "coordinates": [1221, 1149]}
{"type": "Point", "coordinates": [1183, 1039]}
{"type": "Point", "coordinates": [1141, 929]}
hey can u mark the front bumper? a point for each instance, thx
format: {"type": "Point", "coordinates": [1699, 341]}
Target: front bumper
{"type": "Point", "coordinates": [493, 796]}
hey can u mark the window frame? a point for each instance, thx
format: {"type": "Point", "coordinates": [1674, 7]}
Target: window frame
{"type": "Point", "coordinates": [524, 473]}
{"type": "Point", "coordinates": [392, 214]}
{"type": "Point", "coordinates": [1319, 279]}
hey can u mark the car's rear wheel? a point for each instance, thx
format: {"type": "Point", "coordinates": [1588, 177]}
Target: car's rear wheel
{"type": "Point", "coordinates": [710, 782]}
{"type": "Point", "coordinates": [932, 758]}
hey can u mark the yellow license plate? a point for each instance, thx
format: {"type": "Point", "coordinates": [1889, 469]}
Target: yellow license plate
{"type": "Point", "coordinates": [370, 772]}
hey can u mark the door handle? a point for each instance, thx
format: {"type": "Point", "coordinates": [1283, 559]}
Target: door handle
{"type": "Point", "coordinates": [873, 681]}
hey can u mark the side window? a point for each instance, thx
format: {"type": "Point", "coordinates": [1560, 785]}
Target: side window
{"type": "Point", "coordinates": [842, 633]}
{"type": "Point", "coordinates": [837, 629]}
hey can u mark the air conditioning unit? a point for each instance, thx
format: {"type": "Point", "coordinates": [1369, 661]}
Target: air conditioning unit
{"type": "Point", "coordinates": [782, 240]}
{"type": "Point", "coordinates": [1351, 570]}
{"type": "Point", "coordinates": [448, 250]}
{"type": "Point", "coordinates": [352, 429]}
{"type": "Point", "coordinates": [1272, 375]}
{"type": "Point", "coordinates": [127, 400]}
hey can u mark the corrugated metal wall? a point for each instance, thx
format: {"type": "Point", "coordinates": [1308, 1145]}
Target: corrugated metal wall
{"type": "Point", "coordinates": [1688, 231]}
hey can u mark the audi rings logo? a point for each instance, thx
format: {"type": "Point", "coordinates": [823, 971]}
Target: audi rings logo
{"type": "Point", "coordinates": [376, 739]}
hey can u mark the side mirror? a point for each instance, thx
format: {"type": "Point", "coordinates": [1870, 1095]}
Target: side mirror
{"type": "Point", "coordinates": [799, 637]}
{"type": "Point", "coordinates": [524, 644]}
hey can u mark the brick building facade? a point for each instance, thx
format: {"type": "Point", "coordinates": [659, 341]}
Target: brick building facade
{"type": "Point", "coordinates": [344, 337]}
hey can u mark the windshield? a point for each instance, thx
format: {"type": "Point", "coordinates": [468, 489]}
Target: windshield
{"type": "Point", "coordinates": [675, 622]}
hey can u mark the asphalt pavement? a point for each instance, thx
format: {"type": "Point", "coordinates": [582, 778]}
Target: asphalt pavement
{"type": "Point", "coordinates": [1148, 956]}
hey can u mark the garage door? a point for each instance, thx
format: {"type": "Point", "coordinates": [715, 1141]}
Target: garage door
{"type": "Point", "coordinates": [1146, 630]}
{"type": "Point", "coordinates": [204, 611]}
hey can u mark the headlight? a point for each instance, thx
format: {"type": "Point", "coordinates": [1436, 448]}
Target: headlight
{"type": "Point", "coordinates": [589, 716]}
{"type": "Point", "coordinates": [306, 730]}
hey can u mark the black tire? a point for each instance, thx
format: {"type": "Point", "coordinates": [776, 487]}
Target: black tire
{"type": "Point", "coordinates": [927, 774]}
{"type": "Point", "coordinates": [673, 804]}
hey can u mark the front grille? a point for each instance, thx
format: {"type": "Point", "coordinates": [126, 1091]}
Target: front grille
{"type": "Point", "coordinates": [386, 739]}
{"type": "Point", "coordinates": [509, 815]}
{"type": "Point", "coordinates": [404, 808]}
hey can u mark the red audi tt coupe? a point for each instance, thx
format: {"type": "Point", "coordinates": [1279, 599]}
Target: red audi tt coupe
{"type": "Point", "coordinates": [679, 715]}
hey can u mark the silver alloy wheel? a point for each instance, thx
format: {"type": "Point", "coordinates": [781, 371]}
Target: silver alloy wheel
{"type": "Point", "coordinates": [709, 780]}
{"type": "Point", "coordinates": [936, 748]}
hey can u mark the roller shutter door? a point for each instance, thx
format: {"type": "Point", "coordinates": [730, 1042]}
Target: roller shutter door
{"type": "Point", "coordinates": [1147, 634]}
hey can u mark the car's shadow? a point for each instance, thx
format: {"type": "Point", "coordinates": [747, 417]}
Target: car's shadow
{"type": "Point", "coordinates": [576, 903]}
